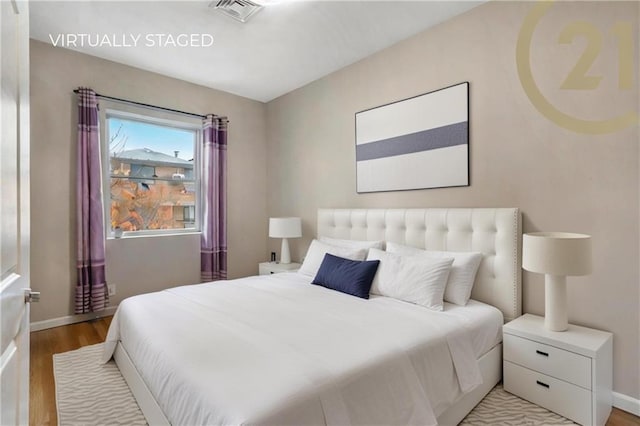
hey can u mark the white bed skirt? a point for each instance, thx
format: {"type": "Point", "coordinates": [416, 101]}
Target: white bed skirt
{"type": "Point", "coordinates": [490, 368]}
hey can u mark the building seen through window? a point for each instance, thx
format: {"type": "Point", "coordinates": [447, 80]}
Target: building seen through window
{"type": "Point", "coordinates": [152, 174]}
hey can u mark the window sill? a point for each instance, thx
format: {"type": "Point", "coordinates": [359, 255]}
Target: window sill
{"type": "Point", "coordinates": [163, 234]}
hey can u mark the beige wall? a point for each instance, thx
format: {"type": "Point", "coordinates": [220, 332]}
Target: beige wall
{"type": "Point", "coordinates": [562, 180]}
{"type": "Point", "coordinates": [136, 265]}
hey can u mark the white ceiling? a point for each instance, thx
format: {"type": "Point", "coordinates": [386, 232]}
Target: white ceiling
{"type": "Point", "coordinates": [284, 46]}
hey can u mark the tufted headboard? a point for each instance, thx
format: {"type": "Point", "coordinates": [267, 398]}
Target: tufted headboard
{"type": "Point", "coordinates": [496, 232]}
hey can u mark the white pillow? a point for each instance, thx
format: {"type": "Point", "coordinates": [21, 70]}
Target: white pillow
{"type": "Point", "coordinates": [463, 271]}
{"type": "Point", "coordinates": [354, 244]}
{"type": "Point", "coordinates": [414, 279]}
{"type": "Point", "coordinates": [317, 250]}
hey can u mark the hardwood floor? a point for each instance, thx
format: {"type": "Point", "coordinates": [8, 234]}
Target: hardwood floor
{"type": "Point", "coordinates": [622, 418]}
{"type": "Point", "coordinates": [45, 343]}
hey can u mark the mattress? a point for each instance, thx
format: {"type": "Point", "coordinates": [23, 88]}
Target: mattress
{"type": "Point", "coordinates": [277, 350]}
{"type": "Point", "coordinates": [483, 321]}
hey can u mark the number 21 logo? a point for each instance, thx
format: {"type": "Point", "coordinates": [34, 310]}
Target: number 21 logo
{"type": "Point", "coordinates": [578, 78]}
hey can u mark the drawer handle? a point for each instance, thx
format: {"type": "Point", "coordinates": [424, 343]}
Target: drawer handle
{"type": "Point", "coordinates": [542, 384]}
{"type": "Point", "coordinates": [542, 353]}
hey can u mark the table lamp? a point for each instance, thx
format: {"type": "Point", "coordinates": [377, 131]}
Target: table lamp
{"type": "Point", "coordinates": [285, 227]}
{"type": "Point", "coordinates": [557, 255]}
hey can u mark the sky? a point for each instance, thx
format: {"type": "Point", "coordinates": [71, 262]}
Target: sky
{"type": "Point", "coordinates": [157, 138]}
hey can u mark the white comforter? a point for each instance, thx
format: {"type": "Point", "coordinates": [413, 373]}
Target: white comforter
{"type": "Point", "coordinates": [277, 350]}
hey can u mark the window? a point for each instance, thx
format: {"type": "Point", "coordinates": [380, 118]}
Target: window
{"type": "Point", "coordinates": [189, 214]}
{"type": "Point", "coordinates": [152, 174]}
{"type": "Point", "coordinates": [140, 170]}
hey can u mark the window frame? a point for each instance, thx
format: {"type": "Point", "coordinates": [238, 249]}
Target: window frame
{"type": "Point", "coordinates": [111, 109]}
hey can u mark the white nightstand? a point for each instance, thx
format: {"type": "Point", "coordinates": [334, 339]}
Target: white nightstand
{"type": "Point", "coordinates": [266, 268]}
{"type": "Point", "coordinates": [567, 372]}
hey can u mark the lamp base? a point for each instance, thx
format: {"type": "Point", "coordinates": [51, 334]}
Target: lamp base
{"type": "Point", "coordinates": [285, 255]}
{"type": "Point", "coordinates": [556, 317]}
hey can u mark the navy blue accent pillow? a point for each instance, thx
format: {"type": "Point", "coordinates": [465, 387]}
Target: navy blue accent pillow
{"type": "Point", "coordinates": [352, 277]}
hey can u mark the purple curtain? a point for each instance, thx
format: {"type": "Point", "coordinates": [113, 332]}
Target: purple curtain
{"type": "Point", "coordinates": [213, 242]}
{"type": "Point", "coordinates": [91, 289]}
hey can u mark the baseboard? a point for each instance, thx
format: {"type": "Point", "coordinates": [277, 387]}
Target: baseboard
{"type": "Point", "coordinates": [626, 403]}
{"type": "Point", "coordinates": [71, 319]}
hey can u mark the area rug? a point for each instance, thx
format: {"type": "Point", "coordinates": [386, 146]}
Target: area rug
{"type": "Point", "coordinates": [500, 407]}
{"type": "Point", "coordinates": [91, 393]}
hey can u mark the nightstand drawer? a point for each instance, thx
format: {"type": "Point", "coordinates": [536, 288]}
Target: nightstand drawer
{"type": "Point", "coordinates": [561, 364]}
{"type": "Point", "coordinates": [265, 270]}
{"type": "Point", "coordinates": [268, 268]}
{"type": "Point", "coordinates": [561, 397]}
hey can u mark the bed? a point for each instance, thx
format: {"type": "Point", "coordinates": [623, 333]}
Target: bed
{"type": "Point", "coordinates": [276, 350]}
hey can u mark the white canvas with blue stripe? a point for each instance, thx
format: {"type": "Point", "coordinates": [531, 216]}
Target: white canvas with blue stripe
{"type": "Point", "coordinates": [417, 143]}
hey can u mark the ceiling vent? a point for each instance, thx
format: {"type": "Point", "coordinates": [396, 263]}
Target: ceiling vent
{"type": "Point", "coordinates": [240, 10]}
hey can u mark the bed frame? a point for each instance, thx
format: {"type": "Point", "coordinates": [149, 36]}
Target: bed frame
{"type": "Point", "coordinates": [496, 232]}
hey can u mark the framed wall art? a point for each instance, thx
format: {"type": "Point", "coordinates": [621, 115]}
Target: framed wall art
{"type": "Point", "coordinates": [416, 143]}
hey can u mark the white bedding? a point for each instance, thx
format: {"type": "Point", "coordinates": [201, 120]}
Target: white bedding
{"type": "Point", "coordinates": [483, 321]}
{"type": "Point", "coordinates": [277, 350]}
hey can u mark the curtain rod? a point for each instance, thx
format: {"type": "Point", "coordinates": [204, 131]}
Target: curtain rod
{"type": "Point", "coordinates": [146, 105]}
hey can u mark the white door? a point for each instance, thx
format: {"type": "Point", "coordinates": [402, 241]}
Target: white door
{"type": "Point", "coordinates": [14, 213]}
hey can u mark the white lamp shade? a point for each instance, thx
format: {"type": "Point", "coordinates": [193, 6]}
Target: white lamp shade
{"type": "Point", "coordinates": [285, 227]}
{"type": "Point", "coordinates": [557, 253]}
